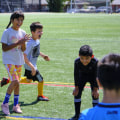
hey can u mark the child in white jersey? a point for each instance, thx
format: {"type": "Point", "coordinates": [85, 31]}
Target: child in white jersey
{"type": "Point", "coordinates": [13, 44]}
{"type": "Point", "coordinates": [31, 55]}
{"type": "Point", "coordinates": [109, 78]}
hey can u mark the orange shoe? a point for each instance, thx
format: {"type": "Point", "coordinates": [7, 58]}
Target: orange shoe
{"type": "Point", "coordinates": [42, 98]}
{"type": "Point", "coordinates": [17, 109]}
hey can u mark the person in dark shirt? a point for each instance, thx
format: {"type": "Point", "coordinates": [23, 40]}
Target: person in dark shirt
{"type": "Point", "coordinates": [85, 70]}
{"type": "Point", "coordinates": [108, 77]}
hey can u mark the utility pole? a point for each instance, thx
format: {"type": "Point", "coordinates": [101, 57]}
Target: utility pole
{"type": "Point", "coordinates": [71, 5]}
{"type": "Point", "coordinates": [21, 4]}
{"type": "Point", "coordinates": [107, 1]}
{"type": "Point", "coordinates": [7, 2]}
{"type": "Point", "coordinates": [0, 4]}
{"type": "Point", "coordinates": [40, 5]}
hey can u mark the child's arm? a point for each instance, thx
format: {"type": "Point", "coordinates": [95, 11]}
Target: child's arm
{"type": "Point", "coordinates": [44, 56]}
{"type": "Point", "coordinates": [76, 79]}
{"type": "Point", "coordinates": [6, 47]}
{"type": "Point", "coordinates": [23, 47]}
{"type": "Point", "coordinates": [30, 65]}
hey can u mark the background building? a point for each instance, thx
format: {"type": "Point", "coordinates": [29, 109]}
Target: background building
{"type": "Point", "coordinates": [24, 5]}
{"type": "Point", "coordinates": [42, 5]}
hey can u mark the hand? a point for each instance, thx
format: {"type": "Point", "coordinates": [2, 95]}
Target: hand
{"type": "Point", "coordinates": [95, 93]}
{"type": "Point", "coordinates": [25, 39]}
{"type": "Point", "coordinates": [75, 91]}
{"type": "Point", "coordinates": [33, 71]}
{"type": "Point", "coordinates": [46, 58]}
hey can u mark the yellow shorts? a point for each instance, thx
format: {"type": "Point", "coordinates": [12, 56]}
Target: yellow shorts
{"type": "Point", "coordinates": [14, 71]}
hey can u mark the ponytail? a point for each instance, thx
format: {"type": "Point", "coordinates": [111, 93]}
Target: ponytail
{"type": "Point", "coordinates": [14, 15]}
{"type": "Point", "coordinates": [8, 25]}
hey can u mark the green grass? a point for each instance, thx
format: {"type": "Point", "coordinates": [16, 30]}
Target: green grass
{"type": "Point", "coordinates": [62, 38]}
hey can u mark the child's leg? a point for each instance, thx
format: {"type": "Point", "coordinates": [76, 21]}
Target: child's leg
{"type": "Point", "coordinates": [94, 87]}
{"type": "Point", "coordinates": [16, 107]}
{"type": "Point", "coordinates": [77, 104]}
{"type": "Point", "coordinates": [40, 88]}
{"type": "Point", "coordinates": [95, 100]}
{"type": "Point", "coordinates": [25, 80]}
{"type": "Point", "coordinates": [38, 77]}
{"type": "Point", "coordinates": [40, 92]}
{"type": "Point", "coordinates": [77, 99]}
{"type": "Point", "coordinates": [13, 77]}
{"type": "Point", "coordinates": [4, 81]}
{"type": "Point", "coordinates": [14, 85]}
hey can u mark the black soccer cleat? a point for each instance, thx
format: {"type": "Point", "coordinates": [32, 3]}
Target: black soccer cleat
{"type": "Point", "coordinates": [4, 81]}
{"type": "Point", "coordinates": [74, 118]}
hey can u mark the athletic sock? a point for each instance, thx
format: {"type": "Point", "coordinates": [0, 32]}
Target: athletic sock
{"type": "Point", "coordinates": [7, 97]}
{"type": "Point", "coordinates": [16, 99]}
{"type": "Point", "coordinates": [23, 80]}
{"type": "Point", "coordinates": [77, 108]}
{"type": "Point", "coordinates": [94, 101]}
{"type": "Point", "coordinates": [40, 88]}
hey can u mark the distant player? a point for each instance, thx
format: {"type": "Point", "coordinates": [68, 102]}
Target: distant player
{"type": "Point", "coordinates": [109, 79]}
{"type": "Point", "coordinates": [85, 70]}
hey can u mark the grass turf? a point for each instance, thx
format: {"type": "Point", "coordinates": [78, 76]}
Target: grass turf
{"type": "Point", "coordinates": [62, 38]}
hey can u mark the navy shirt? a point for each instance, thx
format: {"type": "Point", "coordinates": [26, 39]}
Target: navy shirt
{"type": "Point", "coordinates": [88, 72]}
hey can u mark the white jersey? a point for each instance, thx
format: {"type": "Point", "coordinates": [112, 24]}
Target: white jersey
{"type": "Point", "coordinates": [15, 55]}
{"type": "Point", "coordinates": [32, 51]}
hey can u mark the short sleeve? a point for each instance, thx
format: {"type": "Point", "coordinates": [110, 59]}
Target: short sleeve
{"type": "Point", "coordinates": [4, 38]}
{"type": "Point", "coordinates": [28, 48]}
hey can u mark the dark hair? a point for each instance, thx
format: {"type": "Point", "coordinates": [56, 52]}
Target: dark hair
{"type": "Point", "coordinates": [109, 71]}
{"type": "Point", "coordinates": [14, 15]}
{"type": "Point", "coordinates": [85, 50]}
{"type": "Point", "coordinates": [35, 25]}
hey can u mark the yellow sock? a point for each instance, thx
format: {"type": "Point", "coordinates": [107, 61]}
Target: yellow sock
{"type": "Point", "coordinates": [40, 88]}
{"type": "Point", "coordinates": [25, 80]}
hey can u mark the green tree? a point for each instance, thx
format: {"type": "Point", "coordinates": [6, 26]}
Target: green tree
{"type": "Point", "coordinates": [55, 5]}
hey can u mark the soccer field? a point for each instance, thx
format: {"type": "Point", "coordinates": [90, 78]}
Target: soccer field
{"type": "Point", "coordinates": [63, 34]}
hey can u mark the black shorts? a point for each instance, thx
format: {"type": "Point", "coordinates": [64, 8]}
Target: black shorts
{"type": "Point", "coordinates": [82, 82]}
{"type": "Point", "coordinates": [37, 77]}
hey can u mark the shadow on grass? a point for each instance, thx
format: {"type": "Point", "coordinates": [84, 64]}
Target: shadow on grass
{"type": "Point", "coordinates": [26, 104]}
{"type": "Point", "coordinates": [2, 115]}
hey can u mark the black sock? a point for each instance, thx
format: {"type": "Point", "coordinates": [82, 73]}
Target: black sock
{"type": "Point", "coordinates": [77, 109]}
{"type": "Point", "coordinates": [95, 101]}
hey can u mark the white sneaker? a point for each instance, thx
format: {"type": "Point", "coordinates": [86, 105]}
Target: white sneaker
{"type": "Point", "coordinates": [17, 109]}
{"type": "Point", "coordinates": [5, 108]}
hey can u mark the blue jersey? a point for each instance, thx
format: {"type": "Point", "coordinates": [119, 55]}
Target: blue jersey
{"type": "Point", "coordinates": [102, 111]}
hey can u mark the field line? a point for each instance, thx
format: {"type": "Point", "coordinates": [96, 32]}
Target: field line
{"type": "Point", "coordinates": [29, 118]}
